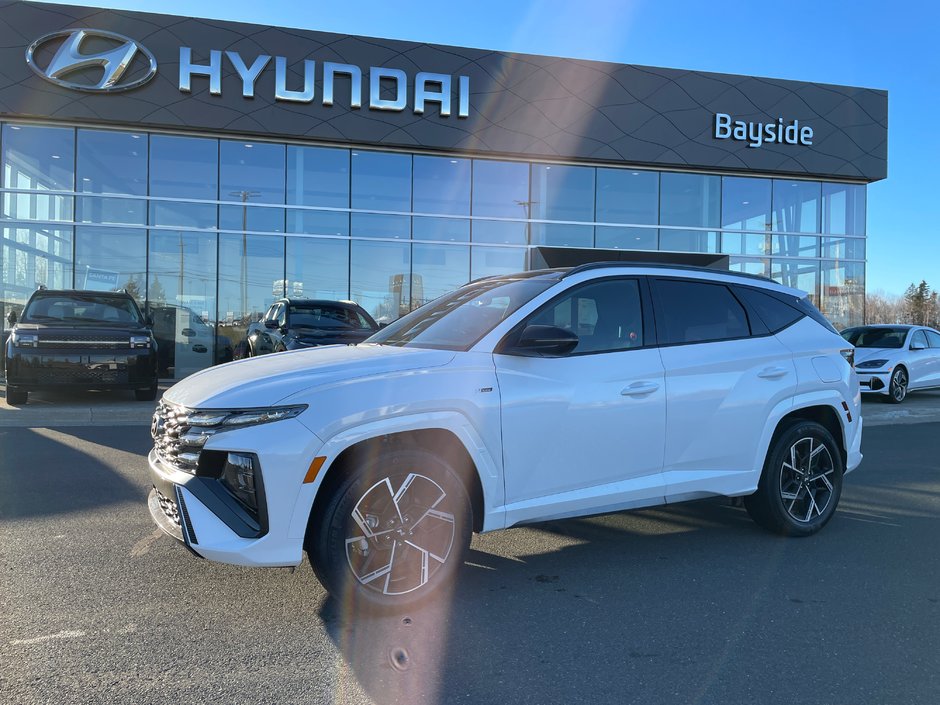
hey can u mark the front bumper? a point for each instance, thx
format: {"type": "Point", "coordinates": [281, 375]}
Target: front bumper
{"type": "Point", "coordinates": [874, 382]}
{"type": "Point", "coordinates": [121, 369]}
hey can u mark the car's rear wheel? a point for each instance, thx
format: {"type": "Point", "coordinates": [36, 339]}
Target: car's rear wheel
{"type": "Point", "coordinates": [394, 532]}
{"type": "Point", "coordinates": [801, 483]}
{"type": "Point", "coordinates": [16, 396]}
{"type": "Point", "coordinates": [897, 387]}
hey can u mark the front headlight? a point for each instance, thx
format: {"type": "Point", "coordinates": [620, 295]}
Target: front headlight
{"type": "Point", "coordinates": [24, 340]}
{"type": "Point", "coordinates": [871, 364]}
{"type": "Point", "coordinates": [222, 419]}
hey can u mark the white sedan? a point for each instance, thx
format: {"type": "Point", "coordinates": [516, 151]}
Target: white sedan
{"type": "Point", "coordinates": [892, 360]}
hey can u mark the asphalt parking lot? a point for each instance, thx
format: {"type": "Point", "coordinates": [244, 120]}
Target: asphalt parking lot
{"type": "Point", "coordinates": [684, 604]}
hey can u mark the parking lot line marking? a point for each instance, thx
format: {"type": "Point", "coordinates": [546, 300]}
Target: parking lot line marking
{"type": "Point", "coordinates": [49, 637]}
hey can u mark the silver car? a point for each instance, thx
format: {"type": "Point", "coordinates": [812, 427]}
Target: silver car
{"type": "Point", "coordinates": [892, 360]}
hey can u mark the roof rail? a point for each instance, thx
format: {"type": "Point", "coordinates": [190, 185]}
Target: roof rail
{"type": "Point", "coordinates": [662, 265]}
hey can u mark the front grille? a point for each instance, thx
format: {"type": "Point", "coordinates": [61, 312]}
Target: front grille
{"type": "Point", "coordinates": [83, 375]}
{"type": "Point", "coordinates": [106, 341]}
{"type": "Point", "coordinates": [176, 442]}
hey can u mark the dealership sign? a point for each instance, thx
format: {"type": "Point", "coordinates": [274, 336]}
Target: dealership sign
{"type": "Point", "coordinates": [111, 57]}
{"type": "Point", "coordinates": [758, 133]}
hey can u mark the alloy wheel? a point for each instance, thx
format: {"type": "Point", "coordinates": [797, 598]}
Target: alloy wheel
{"type": "Point", "coordinates": [899, 385]}
{"type": "Point", "coordinates": [805, 485]}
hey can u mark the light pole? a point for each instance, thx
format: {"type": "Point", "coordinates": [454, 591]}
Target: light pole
{"type": "Point", "coordinates": [244, 196]}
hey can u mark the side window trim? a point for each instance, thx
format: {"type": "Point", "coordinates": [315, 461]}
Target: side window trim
{"type": "Point", "coordinates": [661, 315]}
{"type": "Point", "coordinates": [646, 311]}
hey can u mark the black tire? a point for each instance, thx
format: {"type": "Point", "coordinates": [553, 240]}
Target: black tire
{"type": "Point", "coordinates": [376, 491]}
{"type": "Point", "coordinates": [800, 486]}
{"type": "Point", "coordinates": [146, 394]}
{"type": "Point", "coordinates": [897, 387]}
{"type": "Point", "coordinates": [16, 396]}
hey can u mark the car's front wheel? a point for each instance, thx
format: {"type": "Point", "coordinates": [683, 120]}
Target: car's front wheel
{"type": "Point", "coordinates": [16, 396]}
{"type": "Point", "coordinates": [148, 394]}
{"type": "Point", "coordinates": [394, 532]}
{"type": "Point", "coordinates": [801, 482]}
{"type": "Point", "coordinates": [897, 387]}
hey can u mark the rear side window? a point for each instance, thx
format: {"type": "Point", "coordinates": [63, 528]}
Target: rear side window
{"type": "Point", "coordinates": [933, 338]}
{"type": "Point", "coordinates": [775, 314]}
{"type": "Point", "coordinates": [698, 312]}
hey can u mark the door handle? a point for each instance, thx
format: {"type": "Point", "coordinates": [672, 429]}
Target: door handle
{"type": "Point", "coordinates": [772, 373]}
{"type": "Point", "coordinates": [639, 389]}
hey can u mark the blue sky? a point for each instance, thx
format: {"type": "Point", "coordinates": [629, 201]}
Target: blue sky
{"type": "Point", "coordinates": [892, 46]}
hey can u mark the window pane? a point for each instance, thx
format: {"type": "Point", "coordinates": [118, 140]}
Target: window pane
{"type": "Point", "coordinates": [184, 167]}
{"type": "Point", "coordinates": [843, 209]}
{"type": "Point", "coordinates": [606, 316]}
{"type": "Point", "coordinates": [796, 206]}
{"type": "Point", "coordinates": [381, 181]}
{"type": "Point", "coordinates": [317, 176]}
{"type": "Point", "coordinates": [844, 247]}
{"type": "Point", "coordinates": [933, 339]}
{"type": "Point", "coordinates": [453, 229]}
{"type": "Point", "coordinates": [317, 269]}
{"type": "Point", "coordinates": [251, 278]}
{"type": "Point", "coordinates": [436, 270]}
{"type": "Point", "coordinates": [381, 281]}
{"type": "Point", "coordinates": [558, 235]}
{"type": "Point", "coordinates": [442, 185]}
{"type": "Point", "coordinates": [99, 209]}
{"type": "Point", "coordinates": [490, 261]}
{"type": "Point", "coordinates": [317, 222]}
{"type": "Point", "coordinates": [181, 295]}
{"type": "Point", "coordinates": [112, 162]}
{"type": "Point", "coordinates": [688, 240]}
{"type": "Point", "coordinates": [251, 172]}
{"type": "Point", "coordinates": [377, 225]}
{"type": "Point", "coordinates": [196, 216]}
{"type": "Point", "coordinates": [843, 293]}
{"type": "Point", "coordinates": [750, 266]}
{"type": "Point", "coordinates": [799, 275]}
{"type": "Point", "coordinates": [745, 203]}
{"type": "Point", "coordinates": [562, 192]}
{"type": "Point", "coordinates": [745, 243]}
{"type": "Point", "coordinates": [625, 196]}
{"type": "Point", "coordinates": [500, 232]}
{"type": "Point", "coordinates": [244, 217]}
{"type": "Point", "coordinates": [775, 314]}
{"type": "Point", "coordinates": [695, 312]}
{"type": "Point", "coordinates": [30, 256]}
{"type": "Point", "coordinates": [795, 245]}
{"type": "Point", "coordinates": [611, 238]}
{"type": "Point", "coordinates": [689, 199]}
{"type": "Point", "coordinates": [500, 189]}
{"type": "Point", "coordinates": [38, 159]}
{"type": "Point", "coordinates": [111, 259]}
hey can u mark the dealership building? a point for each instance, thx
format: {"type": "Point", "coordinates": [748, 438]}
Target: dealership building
{"type": "Point", "coordinates": [212, 167]}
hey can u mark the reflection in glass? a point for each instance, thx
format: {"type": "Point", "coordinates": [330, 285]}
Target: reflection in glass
{"type": "Point", "coordinates": [745, 203]}
{"type": "Point", "coordinates": [111, 259]}
{"type": "Point", "coordinates": [562, 235]}
{"type": "Point", "coordinates": [251, 172]}
{"type": "Point", "coordinates": [750, 265]}
{"type": "Point", "coordinates": [500, 189]}
{"type": "Point", "coordinates": [490, 261]}
{"type": "Point", "coordinates": [441, 185]}
{"type": "Point", "coordinates": [500, 232]}
{"type": "Point", "coordinates": [745, 243]}
{"type": "Point", "coordinates": [799, 275]}
{"type": "Point", "coordinates": [796, 206]}
{"type": "Point", "coordinates": [563, 193]}
{"type": "Point", "coordinates": [251, 277]}
{"type": "Point", "coordinates": [112, 162]}
{"type": "Point", "coordinates": [100, 209]}
{"type": "Point", "coordinates": [448, 229]}
{"type": "Point", "coordinates": [317, 268]}
{"type": "Point", "coordinates": [690, 200]}
{"type": "Point", "coordinates": [795, 245]}
{"type": "Point", "coordinates": [30, 256]}
{"type": "Point", "coordinates": [184, 167]}
{"type": "Point", "coordinates": [843, 209]}
{"type": "Point", "coordinates": [317, 176]}
{"type": "Point", "coordinates": [688, 240]}
{"type": "Point", "coordinates": [245, 217]}
{"type": "Point", "coordinates": [377, 225]}
{"type": "Point", "coordinates": [37, 159]}
{"type": "Point", "coordinates": [317, 222]}
{"type": "Point", "coordinates": [181, 296]}
{"type": "Point", "coordinates": [381, 181]}
{"type": "Point", "coordinates": [380, 278]}
{"type": "Point", "coordinates": [844, 247]}
{"type": "Point", "coordinates": [437, 269]}
{"type": "Point", "coordinates": [607, 237]}
{"type": "Point", "coordinates": [842, 292]}
{"type": "Point", "coordinates": [627, 196]}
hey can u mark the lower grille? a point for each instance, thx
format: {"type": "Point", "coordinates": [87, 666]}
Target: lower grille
{"type": "Point", "coordinates": [170, 508]}
{"type": "Point", "coordinates": [78, 375]}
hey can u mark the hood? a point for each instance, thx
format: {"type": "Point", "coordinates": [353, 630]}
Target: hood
{"type": "Point", "coordinates": [266, 380]}
{"type": "Point", "coordinates": [890, 354]}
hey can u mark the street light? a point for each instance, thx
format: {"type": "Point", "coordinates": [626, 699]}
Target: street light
{"type": "Point", "coordinates": [244, 196]}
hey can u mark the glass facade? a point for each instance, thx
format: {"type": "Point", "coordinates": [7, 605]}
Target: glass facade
{"type": "Point", "coordinates": [209, 231]}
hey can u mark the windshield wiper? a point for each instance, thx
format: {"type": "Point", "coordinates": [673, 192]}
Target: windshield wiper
{"type": "Point", "coordinates": [40, 317]}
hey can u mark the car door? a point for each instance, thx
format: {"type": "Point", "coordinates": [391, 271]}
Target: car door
{"type": "Point", "coordinates": [919, 360]}
{"type": "Point", "coordinates": [583, 433]}
{"type": "Point", "coordinates": [933, 340]}
{"type": "Point", "coordinates": [724, 374]}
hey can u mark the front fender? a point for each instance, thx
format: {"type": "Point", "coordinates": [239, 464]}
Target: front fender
{"type": "Point", "coordinates": [488, 470]}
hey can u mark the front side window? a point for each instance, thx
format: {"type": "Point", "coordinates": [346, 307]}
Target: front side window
{"type": "Point", "coordinates": [919, 338]}
{"type": "Point", "coordinates": [606, 316]}
{"type": "Point", "coordinates": [698, 312]}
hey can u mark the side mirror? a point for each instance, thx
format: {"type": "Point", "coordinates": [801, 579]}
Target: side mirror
{"type": "Point", "coordinates": [271, 324]}
{"type": "Point", "coordinates": [918, 346]}
{"type": "Point", "coordinates": [382, 325]}
{"type": "Point", "coordinates": [545, 341]}
{"type": "Point", "coordinates": [11, 318]}
{"type": "Point", "coordinates": [148, 319]}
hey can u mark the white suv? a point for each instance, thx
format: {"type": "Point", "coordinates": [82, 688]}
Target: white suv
{"type": "Point", "coordinates": [514, 399]}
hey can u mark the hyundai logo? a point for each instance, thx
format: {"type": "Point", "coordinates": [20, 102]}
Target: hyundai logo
{"type": "Point", "coordinates": [112, 53]}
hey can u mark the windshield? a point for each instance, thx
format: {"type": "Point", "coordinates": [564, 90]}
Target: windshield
{"type": "Point", "coordinates": [325, 316]}
{"type": "Point", "coordinates": [82, 308]}
{"type": "Point", "coordinates": [458, 320]}
{"type": "Point", "coordinates": [876, 337]}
